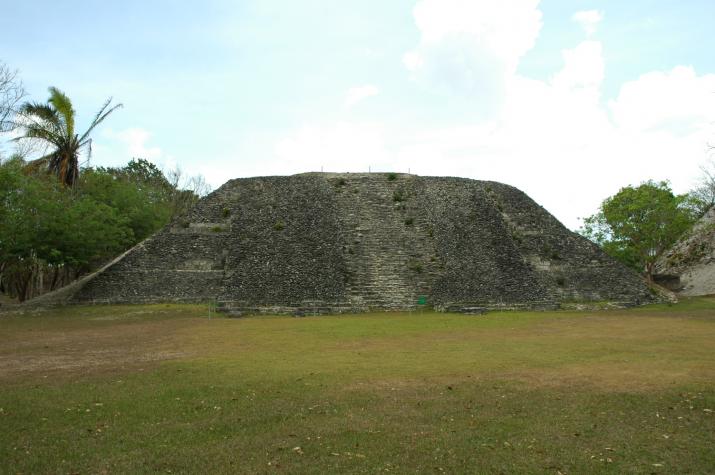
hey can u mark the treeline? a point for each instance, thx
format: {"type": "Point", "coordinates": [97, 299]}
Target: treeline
{"type": "Point", "coordinates": [50, 233]}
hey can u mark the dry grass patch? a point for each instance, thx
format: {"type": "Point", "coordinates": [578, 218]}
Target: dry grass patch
{"type": "Point", "coordinates": [88, 340]}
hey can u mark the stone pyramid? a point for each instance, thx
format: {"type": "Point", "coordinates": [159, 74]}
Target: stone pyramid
{"type": "Point", "coordinates": [330, 243]}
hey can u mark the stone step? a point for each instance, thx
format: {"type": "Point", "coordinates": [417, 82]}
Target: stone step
{"type": "Point", "coordinates": [383, 247]}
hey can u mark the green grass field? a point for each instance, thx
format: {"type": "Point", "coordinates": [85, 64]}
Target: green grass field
{"type": "Point", "coordinates": [163, 389]}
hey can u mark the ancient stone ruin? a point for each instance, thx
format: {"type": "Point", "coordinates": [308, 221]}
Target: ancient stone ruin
{"type": "Point", "coordinates": [688, 267]}
{"type": "Point", "coordinates": [331, 243]}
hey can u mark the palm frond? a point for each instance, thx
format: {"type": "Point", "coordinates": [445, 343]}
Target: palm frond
{"type": "Point", "coordinates": [63, 106]}
{"type": "Point", "coordinates": [37, 131]}
{"type": "Point", "coordinates": [99, 118]}
{"type": "Point", "coordinates": [44, 112]}
{"type": "Point", "coordinates": [53, 123]}
{"type": "Point", "coordinates": [40, 121]}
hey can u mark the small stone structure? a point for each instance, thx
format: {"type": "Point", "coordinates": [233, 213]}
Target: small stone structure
{"type": "Point", "coordinates": [332, 243]}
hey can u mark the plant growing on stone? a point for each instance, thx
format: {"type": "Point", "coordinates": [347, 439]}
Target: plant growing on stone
{"type": "Point", "coordinates": [415, 266]}
{"type": "Point", "coordinates": [391, 176]}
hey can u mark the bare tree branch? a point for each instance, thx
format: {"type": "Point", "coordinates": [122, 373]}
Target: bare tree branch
{"type": "Point", "coordinates": [704, 191]}
{"type": "Point", "coordinates": [187, 190]}
{"type": "Point", "coordinates": [11, 93]}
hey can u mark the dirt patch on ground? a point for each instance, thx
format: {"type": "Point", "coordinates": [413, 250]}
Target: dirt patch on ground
{"type": "Point", "coordinates": [72, 351]}
{"type": "Point", "coordinates": [611, 377]}
{"type": "Point", "coordinates": [596, 378]}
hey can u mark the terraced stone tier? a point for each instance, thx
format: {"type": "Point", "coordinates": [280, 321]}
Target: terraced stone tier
{"type": "Point", "coordinates": [331, 243]}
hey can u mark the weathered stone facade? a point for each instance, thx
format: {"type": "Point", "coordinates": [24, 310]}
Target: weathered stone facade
{"type": "Point", "coordinates": [688, 267]}
{"type": "Point", "coordinates": [321, 242]}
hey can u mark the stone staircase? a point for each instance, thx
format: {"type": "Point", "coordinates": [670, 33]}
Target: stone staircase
{"type": "Point", "coordinates": [390, 258]}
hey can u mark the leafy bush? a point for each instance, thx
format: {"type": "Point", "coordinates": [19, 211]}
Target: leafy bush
{"type": "Point", "coordinates": [43, 223]}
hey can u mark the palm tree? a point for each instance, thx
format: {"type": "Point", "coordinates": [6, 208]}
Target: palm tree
{"type": "Point", "coordinates": [53, 124]}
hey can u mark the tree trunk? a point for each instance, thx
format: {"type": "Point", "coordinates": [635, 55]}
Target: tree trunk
{"type": "Point", "coordinates": [649, 266]}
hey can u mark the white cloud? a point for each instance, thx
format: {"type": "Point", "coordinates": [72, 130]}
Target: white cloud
{"type": "Point", "coordinates": [469, 48]}
{"type": "Point", "coordinates": [556, 139]}
{"type": "Point", "coordinates": [413, 61]}
{"type": "Point", "coordinates": [360, 93]}
{"type": "Point", "coordinates": [135, 140]}
{"type": "Point", "coordinates": [508, 28]}
{"type": "Point", "coordinates": [344, 146]}
{"type": "Point", "coordinates": [584, 68]}
{"type": "Point", "coordinates": [678, 100]}
{"type": "Point", "coordinates": [133, 143]}
{"type": "Point", "coordinates": [588, 19]}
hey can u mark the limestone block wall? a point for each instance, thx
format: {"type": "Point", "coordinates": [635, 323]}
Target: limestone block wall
{"type": "Point", "coordinates": [688, 267]}
{"type": "Point", "coordinates": [285, 245]}
{"type": "Point", "coordinates": [320, 242]}
{"type": "Point", "coordinates": [481, 263]}
{"type": "Point", "coordinates": [574, 267]}
{"type": "Point", "coordinates": [185, 261]}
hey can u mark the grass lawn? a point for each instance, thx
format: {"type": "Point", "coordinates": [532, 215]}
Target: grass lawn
{"type": "Point", "coordinates": [163, 389]}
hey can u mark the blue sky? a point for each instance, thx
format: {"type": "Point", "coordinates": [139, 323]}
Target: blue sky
{"type": "Point", "coordinates": [567, 100]}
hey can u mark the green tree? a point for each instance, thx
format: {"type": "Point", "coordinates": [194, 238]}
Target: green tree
{"type": "Point", "coordinates": [45, 227]}
{"type": "Point", "coordinates": [51, 234]}
{"type": "Point", "coordinates": [638, 224]}
{"type": "Point", "coordinates": [53, 124]}
{"type": "Point", "coordinates": [139, 192]}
